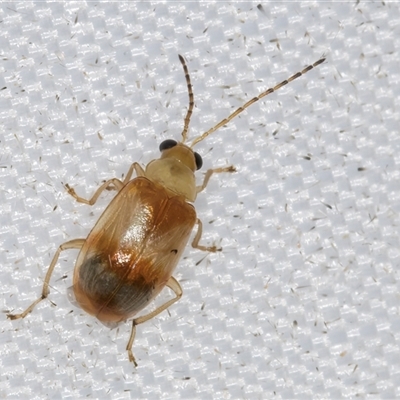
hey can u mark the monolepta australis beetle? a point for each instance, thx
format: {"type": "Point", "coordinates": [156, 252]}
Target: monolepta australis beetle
{"type": "Point", "coordinates": [133, 249]}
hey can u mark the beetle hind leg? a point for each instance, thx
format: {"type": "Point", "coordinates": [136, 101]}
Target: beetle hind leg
{"type": "Point", "coordinates": [130, 344]}
{"type": "Point", "coordinates": [174, 285]}
{"type": "Point", "coordinates": [72, 244]}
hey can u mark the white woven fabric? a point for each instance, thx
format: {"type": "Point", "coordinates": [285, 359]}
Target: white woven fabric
{"type": "Point", "coordinates": [303, 301]}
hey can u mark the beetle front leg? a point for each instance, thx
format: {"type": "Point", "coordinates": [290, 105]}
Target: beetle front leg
{"type": "Point", "coordinates": [174, 285]}
{"type": "Point", "coordinates": [111, 184]}
{"type": "Point", "coordinates": [213, 171]}
{"type": "Point", "coordinates": [196, 240]}
{"type": "Point", "coordinates": [134, 167]}
{"type": "Point", "coordinates": [72, 244]}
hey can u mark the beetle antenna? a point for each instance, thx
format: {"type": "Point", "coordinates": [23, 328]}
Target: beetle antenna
{"type": "Point", "coordinates": [191, 100]}
{"type": "Point", "coordinates": [255, 99]}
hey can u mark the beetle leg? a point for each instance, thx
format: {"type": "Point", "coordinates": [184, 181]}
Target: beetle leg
{"type": "Point", "coordinates": [174, 285]}
{"type": "Point", "coordinates": [134, 167]}
{"type": "Point", "coordinates": [196, 240]}
{"type": "Point", "coordinates": [72, 244]}
{"type": "Point", "coordinates": [213, 171]}
{"type": "Point", "coordinates": [111, 184]}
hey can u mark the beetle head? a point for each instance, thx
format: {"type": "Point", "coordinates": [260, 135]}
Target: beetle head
{"type": "Point", "coordinates": [171, 148]}
{"type": "Point", "coordinates": [175, 169]}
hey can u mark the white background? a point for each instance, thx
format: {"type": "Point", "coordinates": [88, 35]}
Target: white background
{"type": "Point", "coordinates": [303, 301]}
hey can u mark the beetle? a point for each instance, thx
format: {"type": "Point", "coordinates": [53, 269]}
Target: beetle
{"type": "Point", "coordinates": [132, 251]}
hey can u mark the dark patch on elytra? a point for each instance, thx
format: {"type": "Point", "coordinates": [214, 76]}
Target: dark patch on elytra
{"type": "Point", "coordinates": [99, 282]}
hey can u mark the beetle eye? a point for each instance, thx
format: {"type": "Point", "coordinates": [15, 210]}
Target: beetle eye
{"type": "Point", "coordinates": [199, 160]}
{"type": "Point", "coordinates": [167, 144]}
